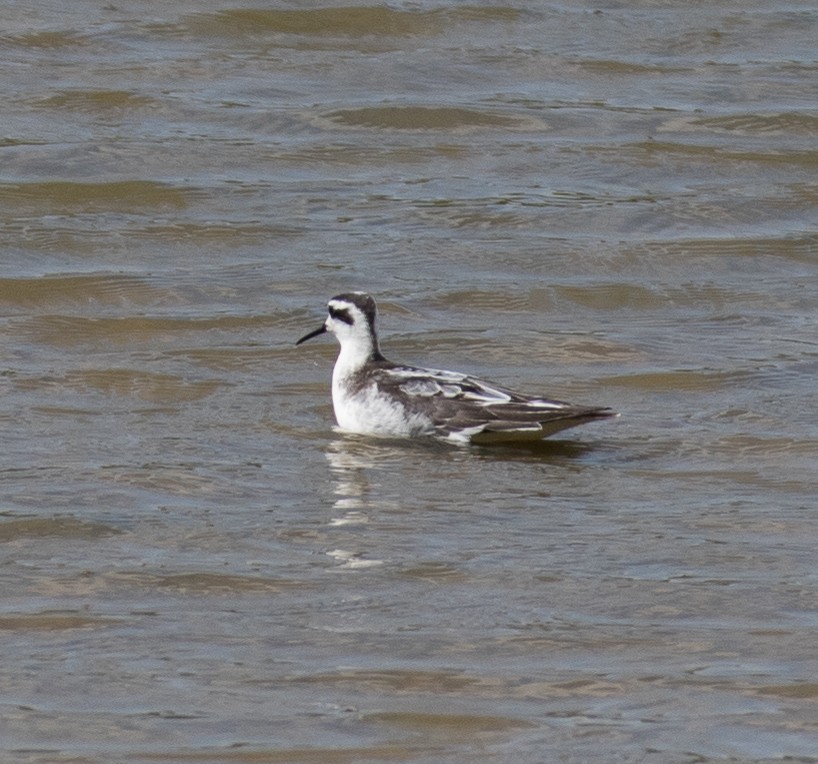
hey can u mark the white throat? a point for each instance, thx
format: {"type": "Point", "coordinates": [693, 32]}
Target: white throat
{"type": "Point", "coordinates": [356, 349]}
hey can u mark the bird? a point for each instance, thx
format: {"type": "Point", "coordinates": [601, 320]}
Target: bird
{"type": "Point", "coordinates": [376, 397]}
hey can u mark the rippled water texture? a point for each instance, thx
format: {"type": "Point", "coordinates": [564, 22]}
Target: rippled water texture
{"type": "Point", "coordinates": [612, 203]}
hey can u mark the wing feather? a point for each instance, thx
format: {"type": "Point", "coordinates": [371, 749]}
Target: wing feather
{"type": "Point", "coordinates": [465, 407]}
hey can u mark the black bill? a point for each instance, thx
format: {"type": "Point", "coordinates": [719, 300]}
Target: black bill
{"type": "Point", "coordinates": [320, 330]}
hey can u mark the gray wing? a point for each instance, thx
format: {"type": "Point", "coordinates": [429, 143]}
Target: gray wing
{"type": "Point", "coordinates": [466, 408]}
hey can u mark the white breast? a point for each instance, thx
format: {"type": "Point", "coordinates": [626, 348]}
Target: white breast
{"type": "Point", "coordinates": [370, 412]}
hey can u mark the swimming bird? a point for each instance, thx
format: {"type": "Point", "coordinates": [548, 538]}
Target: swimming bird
{"type": "Point", "coordinates": [373, 396]}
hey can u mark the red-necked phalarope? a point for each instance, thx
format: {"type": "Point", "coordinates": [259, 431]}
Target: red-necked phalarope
{"type": "Point", "coordinates": [373, 396]}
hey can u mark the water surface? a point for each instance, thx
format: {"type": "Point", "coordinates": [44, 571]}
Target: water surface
{"type": "Point", "coordinates": [611, 203]}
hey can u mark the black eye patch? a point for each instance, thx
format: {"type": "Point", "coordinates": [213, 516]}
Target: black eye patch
{"type": "Point", "coordinates": [340, 314]}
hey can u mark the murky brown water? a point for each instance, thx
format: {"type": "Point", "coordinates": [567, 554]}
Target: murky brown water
{"type": "Point", "coordinates": [614, 203]}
